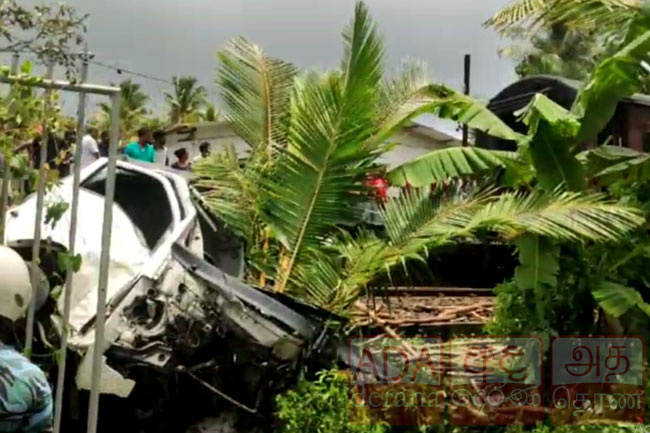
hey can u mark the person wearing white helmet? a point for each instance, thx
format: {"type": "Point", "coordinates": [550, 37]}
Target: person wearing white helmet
{"type": "Point", "coordinates": [25, 394]}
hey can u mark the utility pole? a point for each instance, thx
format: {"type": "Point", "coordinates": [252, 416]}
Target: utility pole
{"type": "Point", "coordinates": [466, 80]}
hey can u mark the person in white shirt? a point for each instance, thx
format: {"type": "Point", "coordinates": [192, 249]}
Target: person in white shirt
{"type": "Point", "coordinates": [161, 150]}
{"type": "Point", "coordinates": [205, 151]}
{"type": "Point", "coordinates": [89, 147]}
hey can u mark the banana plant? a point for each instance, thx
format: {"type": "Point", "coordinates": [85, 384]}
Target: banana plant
{"type": "Point", "coordinates": [551, 151]}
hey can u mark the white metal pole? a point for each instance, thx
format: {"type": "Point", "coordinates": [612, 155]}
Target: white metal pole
{"type": "Point", "coordinates": [61, 85]}
{"type": "Point", "coordinates": [40, 198]}
{"type": "Point", "coordinates": [67, 296]}
{"type": "Point", "coordinates": [6, 175]}
{"type": "Point", "coordinates": [100, 320]}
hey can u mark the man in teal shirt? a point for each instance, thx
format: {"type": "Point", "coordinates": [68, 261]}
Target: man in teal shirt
{"type": "Point", "coordinates": [141, 150]}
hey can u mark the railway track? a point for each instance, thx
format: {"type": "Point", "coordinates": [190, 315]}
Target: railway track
{"type": "Point", "coordinates": [435, 291]}
{"type": "Point", "coordinates": [427, 308]}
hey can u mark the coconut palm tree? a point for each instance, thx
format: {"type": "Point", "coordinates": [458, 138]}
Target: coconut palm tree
{"type": "Point", "coordinates": [558, 50]}
{"type": "Point", "coordinates": [133, 106]}
{"type": "Point", "coordinates": [564, 37]}
{"type": "Point", "coordinates": [210, 114]}
{"type": "Point", "coordinates": [608, 16]}
{"type": "Point", "coordinates": [314, 138]}
{"type": "Point", "coordinates": [186, 99]}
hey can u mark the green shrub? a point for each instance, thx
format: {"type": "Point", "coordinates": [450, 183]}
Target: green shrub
{"type": "Point", "coordinates": [585, 429]}
{"type": "Point", "coordinates": [320, 406]}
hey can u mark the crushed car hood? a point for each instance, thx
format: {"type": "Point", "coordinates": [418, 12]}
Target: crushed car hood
{"type": "Point", "coordinates": [130, 256]}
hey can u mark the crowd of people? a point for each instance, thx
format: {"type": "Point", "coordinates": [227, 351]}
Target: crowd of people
{"type": "Point", "coordinates": [149, 147]}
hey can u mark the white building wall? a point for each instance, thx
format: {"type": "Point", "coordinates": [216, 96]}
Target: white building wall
{"type": "Point", "coordinates": [410, 142]}
{"type": "Point", "coordinates": [218, 134]}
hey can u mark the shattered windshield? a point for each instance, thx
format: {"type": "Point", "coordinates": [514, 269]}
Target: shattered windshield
{"type": "Point", "coordinates": [143, 199]}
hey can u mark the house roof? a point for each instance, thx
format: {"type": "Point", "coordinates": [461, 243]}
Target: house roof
{"type": "Point", "coordinates": [560, 89]}
{"type": "Point", "coordinates": [437, 128]}
{"type": "Point", "coordinates": [438, 132]}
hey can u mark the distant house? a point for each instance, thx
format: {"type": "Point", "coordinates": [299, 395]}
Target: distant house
{"type": "Point", "coordinates": [629, 127]}
{"type": "Point", "coordinates": [190, 136]}
{"type": "Point", "coordinates": [422, 136]}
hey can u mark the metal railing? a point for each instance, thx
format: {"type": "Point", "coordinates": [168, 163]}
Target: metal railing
{"type": "Point", "coordinates": [82, 88]}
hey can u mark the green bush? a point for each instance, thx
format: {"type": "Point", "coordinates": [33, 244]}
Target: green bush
{"type": "Point", "coordinates": [320, 406]}
{"type": "Point", "coordinates": [586, 429]}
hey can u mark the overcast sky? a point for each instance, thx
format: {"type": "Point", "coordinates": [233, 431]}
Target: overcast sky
{"type": "Point", "coordinates": [180, 37]}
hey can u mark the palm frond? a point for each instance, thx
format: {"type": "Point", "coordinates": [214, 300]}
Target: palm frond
{"type": "Point", "coordinates": [562, 215]}
{"type": "Point", "coordinates": [452, 162]}
{"type": "Point", "coordinates": [132, 97]}
{"type": "Point", "coordinates": [400, 96]}
{"type": "Point", "coordinates": [319, 179]}
{"type": "Point", "coordinates": [256, 91]}
{"type": "Point", "coordinates": [228, 191]}
{"type": "Point", "coordinates": [363, 56]}
{"type": "Point", "coordinates": [133, 105]}
{"type": "Point", "coordinates": [317, 280]}
{"type": "Point", "coordinates": [517, 13]}
{"type": "Point", "coordinates": [333, 277]}
{"type": "Point", "coordinates": [421, 218]}
{"type": "Point", "coordinates": [606, 15]}
{"type": "Point", "coordinates": [363, 255]}
{"type": "Point", "coordinates": [415, 221]}
{"type": "Point", "coordinates": [410, 82]}
{"type": "Point", "coordinates": [411, 94]}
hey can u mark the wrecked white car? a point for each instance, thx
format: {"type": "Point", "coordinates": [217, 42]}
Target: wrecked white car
{"type": "Point", "coordinates": [179, 320]}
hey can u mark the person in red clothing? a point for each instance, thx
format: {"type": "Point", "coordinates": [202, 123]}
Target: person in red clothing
{"type": "Point", "coordinates": [379, 185]}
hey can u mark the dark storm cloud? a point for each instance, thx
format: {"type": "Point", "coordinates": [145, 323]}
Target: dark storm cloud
{"type": "Point", "coordinates": [174, 37]}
